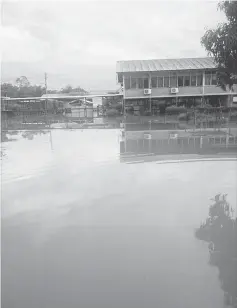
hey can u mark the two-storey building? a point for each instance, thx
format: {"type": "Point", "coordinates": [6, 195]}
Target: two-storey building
{"type": "Point", "coordinates": [187, 81]}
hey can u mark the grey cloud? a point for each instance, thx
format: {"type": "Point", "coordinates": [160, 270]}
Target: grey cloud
{"type": "Point", "coordinates": [128, 29]}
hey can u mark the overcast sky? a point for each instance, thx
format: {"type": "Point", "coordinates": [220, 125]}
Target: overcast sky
{"type": "Point", "coordinates": [79, 42]}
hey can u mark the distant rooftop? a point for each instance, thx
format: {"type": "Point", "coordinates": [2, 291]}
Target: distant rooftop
{"type": "Point", "coordinates": [165, 65]}
{"type": "Point", "coordinates": [52, 95]}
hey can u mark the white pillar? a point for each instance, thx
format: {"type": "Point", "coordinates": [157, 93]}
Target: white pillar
{"type": "Point", "coordinates": [227, 140]}
{"type": "Point", "coordinates": [124, 111]}
{"type": "Point", "coordinates": [149, 83]}
{"type": "Point", "coordinates": [203, 85]}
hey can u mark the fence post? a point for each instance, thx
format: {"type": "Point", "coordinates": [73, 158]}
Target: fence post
{"type": "Point", "coordinates": [227, 140]}
{"type": "Point", "coordinates": [201, 142]}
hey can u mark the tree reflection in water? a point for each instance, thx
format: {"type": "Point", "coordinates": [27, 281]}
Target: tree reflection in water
{"type": "Point", "coordinates": [28, 134]}
{"type": "Point", "coordinates": [7, 136]}
{"type": "Point", "coordinates": [220, 231]}
{"type": "Point", "coordinates": [31, 134]}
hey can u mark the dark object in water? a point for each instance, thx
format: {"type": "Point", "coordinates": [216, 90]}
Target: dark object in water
{"type": "Point", "coordinates": [220, 231]}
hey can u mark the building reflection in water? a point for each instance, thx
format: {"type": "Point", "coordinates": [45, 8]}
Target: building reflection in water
{"type": "Point", "coordinates": [171, 141]}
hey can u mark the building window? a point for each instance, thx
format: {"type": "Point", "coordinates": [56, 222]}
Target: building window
{"type": "Point", "coordinates": [181, 81]}
{"type": "Point", "coordinates": [199, 80]}
{"type": "Point", "coordinates": [160, 82]}
{"type": "Point", "coordinates": [208, 79]}
{"type": "Point", "coordinates": [127, 83]}
{"type": "Point", "coordinates": [173, 81]}
{"type": "Point", "coordinates": [140, 83]}
{"type": "Point", "coordinates": [186, 81]}
{"type": "Point", "coordinates": [193, 80]}
{"type": "Point", "coordinates": [146, 83]}
{"type": "Point", "coordinates": [143, 83]}
{"type": "Point", "coordinates": [133, 83]}
{"type": "Point", "coordinates": [213, 79]}
{"type": "Point", "coordinates": [166, 82]}
{"type": "Point", "coordinates": [154, 82]}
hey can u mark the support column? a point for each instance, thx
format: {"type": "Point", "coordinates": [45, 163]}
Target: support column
{"type": "Point", "coordinates": [124, 94]}
{"type": "Point", "coordinates": [149, 84]}
{"type": "Point", "coordinates": [227, 140]}
{"type": "Point", "coordinates": [201, 142]}
{"type": "Point", "coordinates": [203, 87]}
{"type": "Point", "coordinates": [84, 109]}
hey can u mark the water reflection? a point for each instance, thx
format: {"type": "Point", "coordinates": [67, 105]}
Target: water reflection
{"type": "Point", "coordinates": [31, 134]}
{"type": "Point", "coordinates": [80, 229]}
{"type": "Point", "coordinates": [176, 142]}
{"type": "Point", "coordinates": [220, 231]}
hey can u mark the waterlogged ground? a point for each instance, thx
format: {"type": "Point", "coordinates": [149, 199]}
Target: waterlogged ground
{"type": "Point", "coordinates": [81, 229]}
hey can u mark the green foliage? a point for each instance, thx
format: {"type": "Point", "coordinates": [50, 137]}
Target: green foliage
{"type": "Point", "coordinates": [147, 113]}
{"type": "Point", "coordinates": [10, 90]}
{"type": "Point", "coordinates": [221, 43]}
{"type": "Point", "coordinates": [66, 89]}
{"type": "Point", "coordinates": [118, 107]}
{"type": "Point", "coordinates": [69, 89]}
{"type": "Point", "coordinates": [184, 117]}
{"type": "Point", "coordinates": [175, 110]}
{"type": "Point", "coordinates": [22, 82]}
{"type": "Point", "coordinates": [23, 88]}
{"type": "Point", "coordinates": [112, 113]}
{"type": "Point", "coordinates": [162, 108]}
{"type": "Point", "coordinates": [112, 102]}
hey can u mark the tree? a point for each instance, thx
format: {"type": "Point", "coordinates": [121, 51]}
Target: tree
{"type": "Point", "coordinates": [69, 89]}
{"type": "Point", "coordinates": [21, 90]}
{"type": "Point", "coordinates": [7, 89]}
{"type": "Point", "coordinates": [22, 82]}
{"type": "Point", "coordinates": [80, 90]}
{"type": "Point", "coordinates": [112, 113]}
{"type": "Point", "coordinates": [66, 89]}
{"type": "Point", "coordinates": [221, 43]}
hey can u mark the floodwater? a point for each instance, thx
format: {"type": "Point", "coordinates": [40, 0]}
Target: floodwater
{"type": "Point", "coordinates": [81, 229]}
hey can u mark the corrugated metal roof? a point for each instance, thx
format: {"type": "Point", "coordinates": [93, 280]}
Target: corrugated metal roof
{"type": "Point", "coordinates": [165, 65]}
{"type": "Point", "coordinates": [52, 95]}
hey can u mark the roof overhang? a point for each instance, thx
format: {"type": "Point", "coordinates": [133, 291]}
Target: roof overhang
{"type": "Point", "coordinates": [70, 98]}
{"type": "Point", "coordinates": [178, 95]}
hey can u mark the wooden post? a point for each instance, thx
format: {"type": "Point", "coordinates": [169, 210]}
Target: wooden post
{"type": "Point", "coordinates": [194, 112]}
{"type": "Point", "coordinates": [124, 94]}
{"type": "Point", "coordinates": [227, 140]}
{"type": "Point", "coordinates": [201, 142]}
{"type": "Point", "coordinates": [203, 83]}
{"type": "Point", "coordinates": [149, 83]}
{"type": "Point", "coordinates": [46, 100]}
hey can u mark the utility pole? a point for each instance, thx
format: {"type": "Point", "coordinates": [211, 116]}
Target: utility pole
{"type": "Point", "coordinates": [46, 100]}
{"type": "Point", "coordinates": [45, 82]}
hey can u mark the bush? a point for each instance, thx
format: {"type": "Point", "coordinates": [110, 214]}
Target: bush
{"type": "Point", "coordinates": [184, 117]}
{"type": "Point", "coordinates": [175, 110]}
{"type": "Point", "coordinates": [234, 108]}
{"type": "Point", "coordinates": [112, 113]}
{"type": "Point", "coordinates": [162, 108]}
{"type": "Point", "coordinates": [147, 113]}
{"type": "Point", "coordinates": [118, 107]}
